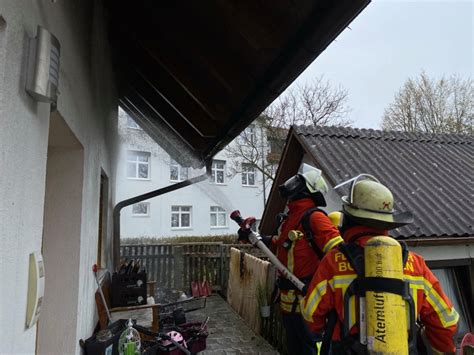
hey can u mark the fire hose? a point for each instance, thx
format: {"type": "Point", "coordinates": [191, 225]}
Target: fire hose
{"type": "Point", "coordinates": [256, 240]}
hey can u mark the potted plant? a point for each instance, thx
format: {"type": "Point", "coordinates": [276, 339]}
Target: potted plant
{"type": "Point", "coordinates": [262, 298]}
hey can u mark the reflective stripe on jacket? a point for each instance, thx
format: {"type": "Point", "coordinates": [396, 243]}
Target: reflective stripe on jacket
{"type": "Point", "coordinates": [326, 292]}
{"type": "Point", "coordinates": [300, 257]}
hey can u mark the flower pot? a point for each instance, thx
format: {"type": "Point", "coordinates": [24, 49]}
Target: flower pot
{"type": "Point", "coordinates": [265, 311]}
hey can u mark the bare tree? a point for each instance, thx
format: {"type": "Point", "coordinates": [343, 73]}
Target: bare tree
{"type": "Point", "coordinates": [315, 103]}
{"type": "Point", "coordinates": [427, 105]}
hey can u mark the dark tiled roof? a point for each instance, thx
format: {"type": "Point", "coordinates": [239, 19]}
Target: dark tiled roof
{"type": "Point", "coordinates": [430, 175]}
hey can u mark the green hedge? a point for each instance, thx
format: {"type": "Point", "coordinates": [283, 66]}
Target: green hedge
{"type": "Point", "coordinates": [226, 239]}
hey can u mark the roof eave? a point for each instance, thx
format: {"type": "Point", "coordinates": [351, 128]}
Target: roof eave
{"type": "Point", "coordinates": [415, 242]}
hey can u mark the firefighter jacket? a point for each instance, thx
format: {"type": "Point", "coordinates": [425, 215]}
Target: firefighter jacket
{"type": "Point", "coordinates": [334, 275]}
{"type": "Point", "coordinates": [294, 251]}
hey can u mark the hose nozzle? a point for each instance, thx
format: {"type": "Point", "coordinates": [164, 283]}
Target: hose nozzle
{"type": "Point", "coordinates": [237, 217]}
{"type": "Point", "coordinates": [243, 223]}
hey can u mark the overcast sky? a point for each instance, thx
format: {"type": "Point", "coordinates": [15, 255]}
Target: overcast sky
{"type": "Point", "coordinates": [391, 41]}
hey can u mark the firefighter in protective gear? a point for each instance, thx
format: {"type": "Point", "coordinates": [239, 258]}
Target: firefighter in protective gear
{"type": "Point", "coordinates": [367, 214]}
{"type": "Point", "coordinates": [304, 237]}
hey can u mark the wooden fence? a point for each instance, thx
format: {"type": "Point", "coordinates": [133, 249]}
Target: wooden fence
{"type": "Point", "coordinates": [176, 265]}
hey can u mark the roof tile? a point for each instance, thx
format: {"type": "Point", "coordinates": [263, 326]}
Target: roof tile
{"type": "Point", "coordinates": [430, 175]}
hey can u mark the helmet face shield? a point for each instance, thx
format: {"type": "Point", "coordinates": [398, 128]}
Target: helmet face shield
{"type": "Point", "coordinates": [292, 187]}
{"type": "Point", "coordinates": [308, 183]}
{"type": "Point", "coordinates": [314, 181]}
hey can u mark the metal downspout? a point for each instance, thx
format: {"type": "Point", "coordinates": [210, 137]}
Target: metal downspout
{"type": "Point", "coordinates": [118, 208]}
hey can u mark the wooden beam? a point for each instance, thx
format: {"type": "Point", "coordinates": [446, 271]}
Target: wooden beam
{"type": "Point", "coordinates": [200, 126]}
{"type": "Point", "coordinates": [183, 153]}
{"type": "Point", "coordinates": [264, 27]}
{"type": "Point", "coordinates": [165, 111]}
{"type": "Point", "coordinates": [152, 30]}
{"type": "Point", "coordinates": [166, 85]}
{"type": "Point", "coordinates": [207, 38]}
{"type": "Point", "coordinates": [149, 106]}
{"type": "Point", "coordinates": [194, 77]}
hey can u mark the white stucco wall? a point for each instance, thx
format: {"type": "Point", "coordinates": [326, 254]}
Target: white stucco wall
{"type": "Point", "coordinates": [231, 195]}
{"type": "Point", "coordinates": [87, 102]}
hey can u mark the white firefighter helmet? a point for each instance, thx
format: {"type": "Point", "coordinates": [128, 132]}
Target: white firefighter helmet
{"type": "Point", "coordinates": [309, 182]}
{"type": "Point", "coordinates": [371, 203]}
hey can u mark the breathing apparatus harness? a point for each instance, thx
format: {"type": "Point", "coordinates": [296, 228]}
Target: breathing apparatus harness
{"type": "Point", "coordinates": [354, 254]}
{"type": "Point", "coordinates": [308, 232]}
{"type": "Point", "coordinates": [285, 284]}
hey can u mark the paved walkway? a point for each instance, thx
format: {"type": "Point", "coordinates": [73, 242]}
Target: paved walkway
{"type": "Point", "coordinates": [228, 334]}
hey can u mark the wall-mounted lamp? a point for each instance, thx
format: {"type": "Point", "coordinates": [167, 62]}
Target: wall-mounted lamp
{"type": "Point", "coordinates": [43, 67]}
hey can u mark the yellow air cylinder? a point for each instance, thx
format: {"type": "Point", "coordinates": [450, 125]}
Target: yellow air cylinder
{"type": "Point", "coordinates": [386, 315]}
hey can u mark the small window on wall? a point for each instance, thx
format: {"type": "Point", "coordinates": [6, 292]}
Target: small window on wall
{"type": "Point", "coordinates": [141, 209]}
{"type": "Point", "coordinates": [218, 172]}
{"type": "Point", "coordinates": [180, 216]}
{"type": "Point", "coordinates": [249, 135]}
{"type": "Point", "coordinates": [248, 174]}
{"type": "Point", "coordinates": [177, 172]}
{"type": "Point", "coordinates": [138, 165]}
{"type": "Point", "coordinates": [218, 217]}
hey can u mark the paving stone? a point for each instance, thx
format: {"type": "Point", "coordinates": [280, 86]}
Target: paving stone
{"type": "Point", "coordinates": [228, 333]}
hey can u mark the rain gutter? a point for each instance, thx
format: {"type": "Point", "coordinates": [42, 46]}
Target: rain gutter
{"type": "Point", "coordinates": [438, 241]}
{"type": "Point", "coordinates": [119, 206]}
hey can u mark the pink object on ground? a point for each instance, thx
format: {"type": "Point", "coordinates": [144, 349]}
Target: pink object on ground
{"type": "Point", "coordinates": [202, 288]}
{"type": "Point", "coordinates": [468, 340]}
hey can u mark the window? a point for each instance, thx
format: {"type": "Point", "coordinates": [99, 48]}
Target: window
{"type": "Point", "coordinates": [131, 123]}
{"type": "Point", "coordinates": [276, 149]}
{"type": "Point", "coordinates": [276, 145]}
{"type": "Point", "coordinates": [449, 282]}
{"type": "Point", "coordinates": [177, 172]}
{"type": "Point", "coordinates": [248, 174]}
{"type": "Point", "coordinates": [218, 217]}
{"type": "Point", "coordinates": [218, 171]}
{"type": "Point", "coordinates": [249, 135]}
{"type": "Point", "coordinates": [180, 216]}
{"type": "Point", "coordinates": [138, 165]}
{"type": "Point", "coordinates": [141, 209]}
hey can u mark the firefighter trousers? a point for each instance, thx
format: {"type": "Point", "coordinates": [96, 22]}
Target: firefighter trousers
{"type": "Point", "coordinates": [299, 341]}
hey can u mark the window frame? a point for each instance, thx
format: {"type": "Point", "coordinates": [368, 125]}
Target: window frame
{"type": "Point", "coordinates": [137, 164]}
{"type": "Point", "coordinates": [219, 211]}
{"type": "Point", "coordinates": [215, 170]}
{"type": "Point", "coordinates": [249, 135]}
{"type": "Point", "coordinates": [174, 164]}
{"type": "Point", "coordinates": [274, 145]}
{"type": "Point", "coordinates": [180, 213]}
{"type": "Point", "coordinates": [247, 173]}
{"type": "Point", "coordinates": [147, 214]}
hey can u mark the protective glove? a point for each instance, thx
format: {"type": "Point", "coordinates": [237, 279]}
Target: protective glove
{"type": "Point", "coordinates": [245, 229]}
{"type": "Point", "coordinates": [244, 235]}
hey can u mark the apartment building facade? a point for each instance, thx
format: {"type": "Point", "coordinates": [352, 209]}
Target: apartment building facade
{"type": "Point", "coordinates": [200, 209]}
